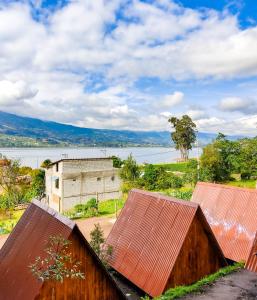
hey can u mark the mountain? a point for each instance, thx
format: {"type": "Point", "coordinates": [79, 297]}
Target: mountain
{"type": "Point", "coordinates": [30, 132]}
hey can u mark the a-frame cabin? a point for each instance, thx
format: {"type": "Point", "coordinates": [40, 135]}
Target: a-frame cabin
{"type": "Point", "coordinates": [28, 240]}
{"type": "Point", "coordinates": [161, 242]}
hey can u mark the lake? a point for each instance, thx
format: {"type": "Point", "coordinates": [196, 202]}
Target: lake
{"type": "Point", "coordinates": [33, 157]}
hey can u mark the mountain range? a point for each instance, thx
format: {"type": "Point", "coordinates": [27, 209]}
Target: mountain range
{"type": "Point", "coordinates": [19, 131]}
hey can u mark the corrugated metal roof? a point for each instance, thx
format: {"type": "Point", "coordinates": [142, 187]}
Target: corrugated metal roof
{"type": "Point", "coordinates": [232, 215]}
{"type": "Point", "coordinates": [251, 263]}
{"type": "Point", "coordinates": [147, 238]}
{"type": "Point", "coordinates": [27, 241]}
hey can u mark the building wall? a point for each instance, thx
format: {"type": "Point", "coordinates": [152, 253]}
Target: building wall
{"type": "Point", "coordinates": [97, 285]}
{"type": "Point", "coordinates": [80, 181]}
{"type": "Point", "coordinates": [53, 194]}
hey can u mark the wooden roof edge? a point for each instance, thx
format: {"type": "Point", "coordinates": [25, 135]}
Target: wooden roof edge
{"type": "Point", "coordinates": [66, 221]}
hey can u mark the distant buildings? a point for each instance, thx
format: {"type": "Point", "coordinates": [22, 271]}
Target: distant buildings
{"type": "Point", "coordinates": [74, 181]}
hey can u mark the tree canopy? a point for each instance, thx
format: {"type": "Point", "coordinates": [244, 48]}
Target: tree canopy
{"type": "Point", "coordinates": [184, 135]}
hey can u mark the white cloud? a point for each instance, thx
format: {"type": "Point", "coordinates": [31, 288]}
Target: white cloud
{"type": "Point", "coordinates": [172, 100]}
{"type": "Point", "coordinates": [232, 104]}
{"type": "Point", "coordinates": [196, 114]}
{"type": "Point", "coordinates": [80, 65]}
{"type": "Point", "coordinates": [11, 93]}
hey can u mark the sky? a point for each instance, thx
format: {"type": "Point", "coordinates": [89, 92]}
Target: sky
{"type": "Point", "coordinates": [131, 64]}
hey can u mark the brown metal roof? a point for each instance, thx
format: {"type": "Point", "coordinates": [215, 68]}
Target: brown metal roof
{"type": "Point", "coordinates": [232, 215]}
{"type": "Point", "coordinates": [147, 238]}
{"type": "Point", "coordinates": [26, 242]}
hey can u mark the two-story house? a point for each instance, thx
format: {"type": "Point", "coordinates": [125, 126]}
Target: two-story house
{"type": "Point", "coordinates": [75, 181]}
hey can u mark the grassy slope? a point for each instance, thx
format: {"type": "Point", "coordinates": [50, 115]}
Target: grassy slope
{"type": "Point", "coordinates": [181, 291]}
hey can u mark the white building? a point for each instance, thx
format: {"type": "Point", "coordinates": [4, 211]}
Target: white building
{"type": "Point", "coordinates": [75, 181]}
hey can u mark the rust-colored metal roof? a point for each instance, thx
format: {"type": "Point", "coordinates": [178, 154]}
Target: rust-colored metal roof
{"type": "Point", "coordinates": [147, 238]}
{"type": "Point", "coordinates": [26, 242]}
{"type": "Point", "coordinates": [251, 263]}
{"type": "Point", "coordinates": [232, 215]}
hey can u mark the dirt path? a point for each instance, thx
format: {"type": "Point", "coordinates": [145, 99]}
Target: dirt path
{"type": "Point", "coordinates": [241, 285]}
{"type": "Point", "coordinates": [106, 223]}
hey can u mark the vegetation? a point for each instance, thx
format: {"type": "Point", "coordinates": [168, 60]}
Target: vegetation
{"type": "Point", "coordinates": [7, 224]}
{"type": "Point", "coordinates": [181, 291]}
{"type": "Point", "coordinates": [222, 158]}
{"type": "Point", "coordinates": [117, 162]}
{"type": "Point", "coordinates": [19, 185]}
{"type": "Point", "coordinates": [184, 135]}
{"type": "Point", "coordinates": [88, 209]}
{"type": "Point", "coordinates": [97, 241]}
{"type": "Point", "coordinates": [58, 263]}
{"type": "Point", "coordinates": [130, 170]}
{"type": "Point", "coordinates": [46, 163]}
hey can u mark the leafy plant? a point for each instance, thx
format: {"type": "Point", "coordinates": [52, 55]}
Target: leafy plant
{"type": "Point", "coordinates": [97, 243]}
{"type": "Point", "coordinates": [58, 263]}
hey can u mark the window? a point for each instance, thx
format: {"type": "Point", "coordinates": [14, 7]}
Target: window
{"type": "Point", "coordinates": [57, 167]}
{"type": "Point", "coordinates": [98, 178]}
{"type": "Point", "coordinates": [113, 178]}
{"type": "Point", "coordinates": [57, 183]}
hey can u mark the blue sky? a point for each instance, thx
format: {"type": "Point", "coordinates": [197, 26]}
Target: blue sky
{"type": "Point", "coordinates": [131, 64]}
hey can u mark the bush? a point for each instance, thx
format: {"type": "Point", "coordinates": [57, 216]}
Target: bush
{"type": "Point", "coordinates": [169, 180]}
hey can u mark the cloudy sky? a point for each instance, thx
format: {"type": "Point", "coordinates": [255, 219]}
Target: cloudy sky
{"type": "Point", "coordinates": [130, 64]}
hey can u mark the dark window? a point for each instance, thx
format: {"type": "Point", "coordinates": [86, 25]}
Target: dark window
{"type": "Point", "coordinates": [113, 178]}
{"type": "Point", "coordinates": [57, 183]}
{"type": "Point", "coordinates": [57, 167]}
{"type": "Point", "coordinates": [98, 178]}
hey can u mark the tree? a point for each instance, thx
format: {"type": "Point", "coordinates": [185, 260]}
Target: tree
{"type": "Point", "coordinates": [219, 159]}
{"type": "Point", "coordinates": [184, 135]}
{"type": "Point", "coordinates": [58, 263]}
{"type": "Point", "coordinates": [117, 162]}
{"type": "Point", "coordinates": [97, 241]}
{"type": "Point", "coordinates": [9, 175]}
{"type": "Point", "coordinates": [248, 158]}
{"type": "Point", "coordinates": [46, 163]}
{"type": "Point", "coordinates": [37, 187]}
{"type": "Point", "coordinates": [130, 170]}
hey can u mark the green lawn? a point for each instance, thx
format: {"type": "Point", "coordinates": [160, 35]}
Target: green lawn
{"type": "Point", "coordinates": [251, 184]}
{"type": "Point", "coordinates": [174, 167]}
{"type": "Point", "coordinates": [7, 224]}
{"type": "Point", "coordinates": [108, 207]}
{"type": "Point", "coordinates": [181, 291]}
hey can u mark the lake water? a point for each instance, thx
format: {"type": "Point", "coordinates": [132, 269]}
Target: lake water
{"type": "Point", "coordinates": [33, 157]}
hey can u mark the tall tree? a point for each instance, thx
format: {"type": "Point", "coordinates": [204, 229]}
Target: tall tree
{"type": "Point", "coordinates": [184, 135]}
{"type": "Point", "coordinates": [130, 170]}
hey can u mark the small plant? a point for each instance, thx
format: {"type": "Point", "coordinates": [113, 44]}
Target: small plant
{"type": "Point", "coordinates": [97, 243]}
{"type": "Point", "coordinates": [58, 263]}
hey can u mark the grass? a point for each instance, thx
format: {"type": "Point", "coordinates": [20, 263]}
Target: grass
{"type": "Point", "coordinates": [105, 208]}
{"type": "Point", "coordinates": [7, 224]}
{"type": "Point", "coordinates": [174, 167]}
{"type": "Point", "coordinates": [108, 207]}
{"type": "Point", "coordinates": [181, 291]}
{"type": "Point", "coordinates": [251, 184]}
